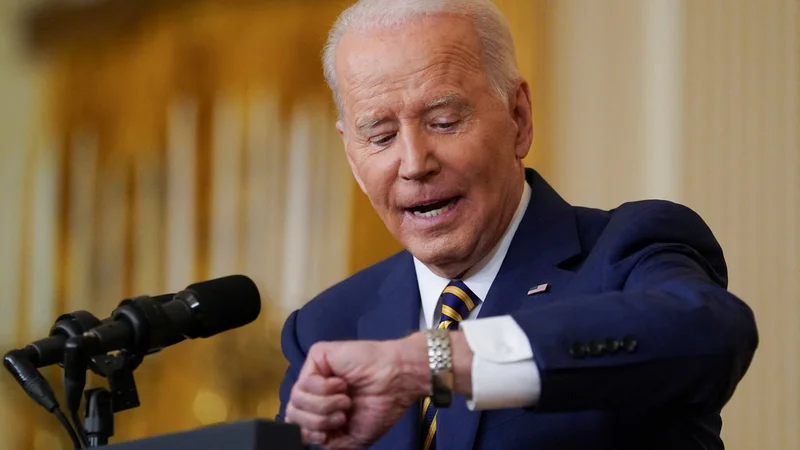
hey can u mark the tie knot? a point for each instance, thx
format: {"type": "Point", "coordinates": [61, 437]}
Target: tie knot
{"type": "Point", "coordinates": [457, 302]}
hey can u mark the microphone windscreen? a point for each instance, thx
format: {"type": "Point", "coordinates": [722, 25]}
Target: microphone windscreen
{"type": "Point", "coordinates": [225, 303]}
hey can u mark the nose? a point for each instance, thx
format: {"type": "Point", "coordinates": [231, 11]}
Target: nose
{"type": "Point", "coordinates": [418, 157]}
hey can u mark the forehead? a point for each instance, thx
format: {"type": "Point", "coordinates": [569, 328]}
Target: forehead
{"type": "Point", "coordinates": [409, 64]}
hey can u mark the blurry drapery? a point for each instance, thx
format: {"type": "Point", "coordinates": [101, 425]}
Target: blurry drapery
{"type": "Point", "coordinates": [193, 138]}
{"type": "Point", "coordinates": [185, 141]}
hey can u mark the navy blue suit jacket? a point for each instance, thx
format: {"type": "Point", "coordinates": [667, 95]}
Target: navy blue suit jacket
{"type": "Point", "coordinates": [638, 342]}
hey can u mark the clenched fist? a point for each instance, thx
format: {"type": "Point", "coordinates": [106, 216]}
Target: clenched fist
{"type": "Point", "coordinates": [349, 393]}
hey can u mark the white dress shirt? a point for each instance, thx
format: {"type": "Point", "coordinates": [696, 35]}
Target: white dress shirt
{"type": "Point", "coordinates": [504, 374]}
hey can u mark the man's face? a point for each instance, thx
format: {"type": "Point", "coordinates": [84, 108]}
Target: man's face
{"type": "Point", "coordinates": [432, 145]}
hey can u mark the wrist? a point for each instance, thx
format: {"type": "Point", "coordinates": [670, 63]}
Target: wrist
{"type": "Point", "coordinates": [414, 364]}
{"type": "Point", "coordinates": [462, 363]}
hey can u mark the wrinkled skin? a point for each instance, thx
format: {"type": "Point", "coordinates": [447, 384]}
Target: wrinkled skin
{"type": "Point", "coordinates": [350, 393]}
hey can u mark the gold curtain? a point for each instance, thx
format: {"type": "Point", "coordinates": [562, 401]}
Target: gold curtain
{"type": "Point", "coordinates": [140, 100]}
{"type": "Point", "coordinates": [116, 97]}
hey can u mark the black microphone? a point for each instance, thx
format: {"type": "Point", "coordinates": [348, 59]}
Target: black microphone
{"type": "Point", "coordinates": [22, 363]}
{"type": "Point", "coordinates": [145, 325]}
{"type": "Point", "coordinates": [50, 350]}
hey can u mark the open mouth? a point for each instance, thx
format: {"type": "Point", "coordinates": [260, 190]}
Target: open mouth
{"type": "Point", "coordinates": [433, 209]}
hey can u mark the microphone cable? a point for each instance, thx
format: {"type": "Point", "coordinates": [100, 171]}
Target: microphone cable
{"type": "Point", "coordinates": [37, 387]}
{"type": "Point", "coordinates": [76, 420]}
{"type": "Point", "coordinates": [76, 441]}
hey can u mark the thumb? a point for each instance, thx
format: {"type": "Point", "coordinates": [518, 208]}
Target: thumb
{"type": "Point", "coordinates": [317, 361]}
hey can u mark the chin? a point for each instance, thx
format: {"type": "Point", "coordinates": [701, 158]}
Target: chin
{"type": "Point", "coordinates": [441, 253]}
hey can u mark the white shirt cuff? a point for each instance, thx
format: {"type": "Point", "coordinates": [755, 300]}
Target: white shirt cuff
{"type": "Point", "coordinates": [504, 374]}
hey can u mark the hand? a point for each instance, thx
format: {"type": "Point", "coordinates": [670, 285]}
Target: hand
{"type": "Point", "coordinates": [349, 393]}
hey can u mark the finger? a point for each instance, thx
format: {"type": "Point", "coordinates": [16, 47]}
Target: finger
{"type": "Point", "coordinates": [315, 422]}
{"type": "Point", "coordinates": [319, 404]}
{"type": "Point", "coordinates": [313, 437]}
{"type": "Point", "coordinates": [309, 368]}
{"type": "Point", "coordinates": [318, 385]}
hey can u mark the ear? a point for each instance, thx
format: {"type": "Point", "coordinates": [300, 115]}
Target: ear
{"type": "Point", "coordinates": [341, 129]}
{"type": "Point", "coordinates": [522, 111]}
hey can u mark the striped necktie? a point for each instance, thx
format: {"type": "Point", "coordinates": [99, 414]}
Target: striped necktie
{"type": "Point", "coordinates": [457, 302]}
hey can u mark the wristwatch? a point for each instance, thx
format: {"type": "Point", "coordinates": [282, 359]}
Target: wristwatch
{"type": "Point", "coordinates": [441, 364]}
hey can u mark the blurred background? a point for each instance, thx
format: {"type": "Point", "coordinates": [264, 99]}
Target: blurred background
{"type": "Point", "coordinates": [148, 144]}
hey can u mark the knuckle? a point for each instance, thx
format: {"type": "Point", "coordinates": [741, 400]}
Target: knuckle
{"type": "Point", "coordinates": [323, 407]}
{"type": "Point", "coordinates": [290, 412]}
{"type": "Point", "coordinates": [303, 402]}
{"type": "Point", "coordinates": [320, 386]}
{"type": "Point", "coordinates": [331, 385]}
{"type": "Point", "coordinates": [326, 407]}
{"type": "Point", "coordinates": [298, 399]}
{"type": "Point", "coordinates": [309, 437]}
{"type": "Point", "coordinates": [317, 348]}
{"type": "Point", "coordinates": [333, 404]}
{"type": "Point", "coordinates": [309, 384]}
{"type": "Point", "coordinates": [295, 390]}
{"type": "Point", "coordinates": [315, 423]}
{"type": "Point", "coordinates": [316, 438]}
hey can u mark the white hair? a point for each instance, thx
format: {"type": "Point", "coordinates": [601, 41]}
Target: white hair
{"type": "Point", "coordinates": [497, 45]}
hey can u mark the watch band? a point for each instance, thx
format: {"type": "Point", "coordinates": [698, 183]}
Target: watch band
{"type": "Point", "coordinates": [441, 364]}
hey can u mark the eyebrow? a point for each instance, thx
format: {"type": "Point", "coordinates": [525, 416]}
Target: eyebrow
{"type": "Point", "coordinates": [365, 124]}
{"type": "Point", "coordinates": [445, 100]}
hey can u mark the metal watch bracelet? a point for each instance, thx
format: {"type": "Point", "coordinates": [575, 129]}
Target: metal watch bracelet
{"type": "Point", "coordinates": [441, 365]}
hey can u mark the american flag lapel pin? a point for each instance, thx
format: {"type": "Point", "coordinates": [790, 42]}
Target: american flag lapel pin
{"type": "Point", "coordinates": [538, 289]}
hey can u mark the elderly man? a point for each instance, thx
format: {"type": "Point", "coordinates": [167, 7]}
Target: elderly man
{"type": "Point", "coordinates": [512, 320]}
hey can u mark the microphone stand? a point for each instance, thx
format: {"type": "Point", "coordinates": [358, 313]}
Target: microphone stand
{"type": "Point", "coordinates": [102, 404]}
{"type": "Point", "coordinates": [99, 422]}
{"type": "Point", "coordinates": [87, 350]}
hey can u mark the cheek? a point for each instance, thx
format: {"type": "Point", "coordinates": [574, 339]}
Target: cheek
{"type": "Point", "coordinates": [481, 162]}
{"type": "Point", "coordinates": [497, 157]}
{"type": "Point", "coordinates": [377, 181]}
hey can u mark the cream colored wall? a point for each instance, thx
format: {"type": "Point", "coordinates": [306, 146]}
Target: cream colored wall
{"type": "Point", "coordinates": [615, 68]}
{"type": "Point", "coordinates": [697, 101]}
{"type": "Point", "coordinates": [742, 169]}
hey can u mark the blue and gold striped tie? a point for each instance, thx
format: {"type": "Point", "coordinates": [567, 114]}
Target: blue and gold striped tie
{"type": "Point", "coordinates": [457, 302]}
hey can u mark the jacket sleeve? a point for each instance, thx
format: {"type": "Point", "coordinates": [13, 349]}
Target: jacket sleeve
{"type": "Point", "coordinates": [296, 357]}
{"type": "Point", "coordinates": [664, 333]}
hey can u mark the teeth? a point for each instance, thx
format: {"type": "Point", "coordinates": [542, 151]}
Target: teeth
{"type": "Point", "coordinates": [435, 212]}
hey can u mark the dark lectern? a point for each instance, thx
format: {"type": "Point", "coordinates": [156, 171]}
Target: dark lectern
{"type": "Point", "coordinates": [247, 435]}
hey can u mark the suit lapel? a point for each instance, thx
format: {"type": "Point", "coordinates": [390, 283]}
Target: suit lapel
{"type": "Point", "coordinates": [547, 236]}
{"type": "Point", "coordinates": [396, 314]}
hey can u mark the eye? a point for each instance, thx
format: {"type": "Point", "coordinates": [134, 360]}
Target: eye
{"type": "Point", "coordinates": [382, 141]}
{"type": "Point", "coordinates": [443, 126]}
